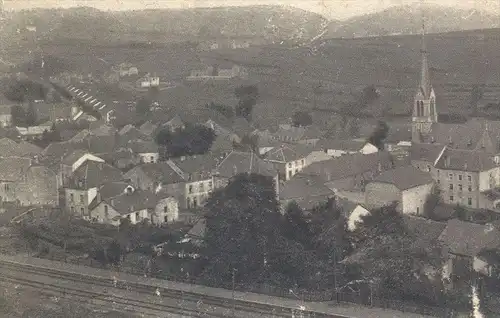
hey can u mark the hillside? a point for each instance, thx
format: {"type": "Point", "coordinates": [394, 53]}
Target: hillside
{"type": "Point", "coordinates": [269, 23]}
{"type": "Point", "coordinates": [407, 19]}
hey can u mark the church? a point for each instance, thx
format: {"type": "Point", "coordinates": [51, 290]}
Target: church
{"type": "Point", "coordinates": [475, 134]}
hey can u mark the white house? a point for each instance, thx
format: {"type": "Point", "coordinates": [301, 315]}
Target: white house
{"type": "Point", "coordinates": [407, 186]}
{"type": "Point", "coordinates": [337, 148]}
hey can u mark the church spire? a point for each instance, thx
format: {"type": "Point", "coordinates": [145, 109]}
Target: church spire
{"type": "Point", "coordinates": [425, 81]}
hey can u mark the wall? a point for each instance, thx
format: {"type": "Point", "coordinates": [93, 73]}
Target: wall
{"type": "Point", "coordinates": [171, 214]}
{"type": "Point", "coordinates": [200, 191]}
{"type": "Point", "coordinates": [39, 187]}
{"type": "Point", "coordinates": [368, 149]}
{"type": "Point", "coordinates": [317, 156]}
{"type": "Point", "coordinates": [414, 199]}
{"type": "Point", "coordinates": [99, 214]}
{"type": "Point", "coordinates": [379, 194]}
{"type": "Point", "coordinates": [77, 202]}
{"type": "Point", "coordinates": [84, 158]}
{"type": "Point", "coordinates": [5, 120]}
{"type": "Point", "coordinates": [8, 191]}
{"type": "Point", "coordinates": [481, 266]}
{"type": "Point", "coordinates": [294, 167]}
{"type": "Point", "coordinates": [151, 157]}
{"type": "Point", "coordinates": [456, 178]}
{"type": "Point", "coordinates": [354, 218]}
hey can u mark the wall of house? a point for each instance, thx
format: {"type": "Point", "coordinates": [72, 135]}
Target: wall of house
{"type": "Point", "coordinates": [197, 192]}
{"type": "Point", "coordinates": [150, 157]}
{"type": "Point", "coordinates": [166, 211]}
{"type": "Point", "coordinates": [8, 191]}
{"type": "Point", "coordinates": [413, 199]}
{"type": "Point", "coordinates": [481, 266]}
{"type": "Point", "coordinates": [368, 149]}
{"type": "Point", "coordinates": [338, 152]}
{"type": "Point", "coordinates": [379, 194]}
{"type": "Point", "coordinates": [39, 187]}
{"type": "Point", "coordinates": [294, 167]}
{"type": "Point", "coordinates": [77, 202]}
{"type": "Point", "coordinates": [317, 156]}
{"type": "Point", "coordinates": [84, 158]}
{"type": "Point", "coordinates": [457, 187]}
{"type": "Point", "coordinates": [489, 179]}
{"type": "Point", "coordinates": [354, 218]}
{"type": "Point", "coordinates": [105, 213]}
{"type": "Point", "coordinates": [5, 120]}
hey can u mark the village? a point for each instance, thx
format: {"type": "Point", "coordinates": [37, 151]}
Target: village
{"type": "Point", "coordinates": [71, 150]}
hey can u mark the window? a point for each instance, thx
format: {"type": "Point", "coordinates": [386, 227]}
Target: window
{"type": "Point", "coordinates": [71, 197]}
{"type": "Point", "coordinates": [81, 198]}
{"type": "Point", "coordinates": [190, 189]}
{"type": "Point", "coordinates": [459, 177]}
{"type": "Point", "coordinates": [470, 189]}
{"type": "Point", "coordinates": [82, 211]}
{"type": "Point", "coordinates": [6, 187]}
{"type": "Point", "coordinates": [289, 165]}
{"type": "Point", "coordinates": [451, 186]}
{"type": "Point", "coordinates": [469, 178]}
{"type": "Point", "coordinates": [72, 210]}
{"type": "Point", "coordinates": [165, 219]}
{"type": "Point", "coordinates": [152, 159]}
{"type": "Point", "coordinates": [195, 202]}
{"type": "Point", "coordinates": [188, 203]}
{"type": "Point", "coordinates": [469, 201]}
{"type": "Point", "coordinates": [437, 173]}
{"type": "Point", "coordinates": [450, 176]}
{"type": "Point", "coordinates": [210, 185]}
{"type": "Point", "coordinates": [202, 187]}
{"type": "Point", "coordinates": [439, 181]}
{"type": "Point", "coordinates": [289, 174]}
{"type": "Point", "coordinates": [428, 168]}
{"type": "Point", "coordinates": [459, 187]}
{"type": "Point", "coordinates": [128, 216]}
{"type": "Point", "coordinates": [136, 216]}
{"type": "Point", "coordinates": [302, 161]}
{"type": "Point", "coordinates": [451, 198]}
{"type": "Point", "coordinates": [296, 171]}
{"type": "Point", "coordinates": [165, 209]}
{"type": "Point", "coordinates": [418, 210]}
{"type": "Point", "coordinates": [105, 209]}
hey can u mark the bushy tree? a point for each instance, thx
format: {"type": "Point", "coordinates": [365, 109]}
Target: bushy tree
{"type": "Point", "coordinates": [143, 106]}
{"type": "Point", "coordinates": [302, 119]}
{"type": "Point", "coordinates": [295, 225]}
{"type": "Point", "coordinates": [193, 140]}
{"type": "Point", "coordinates": [247, 99]}
{"type": "Point", "coordinates": [31, 116]}
{"type": "Point", "coordinates": [18, 115]}
{"type": "Point", "coordinates": [242, 230]}
{"type": "Point", "coordinates": [379, 135]}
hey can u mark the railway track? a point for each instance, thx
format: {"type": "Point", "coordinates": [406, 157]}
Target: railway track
{"type": "Point", "coordinates": [18, 273]}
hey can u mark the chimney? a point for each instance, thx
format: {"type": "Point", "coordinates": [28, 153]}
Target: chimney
{"type": "Point", "coordinates": [112, 201]}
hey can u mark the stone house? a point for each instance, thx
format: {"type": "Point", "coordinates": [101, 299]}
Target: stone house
{"type": "Point", "coordinates": [157, 177]}
{"type": "Point", "coordinates": [82, 187]}
{"type": "Point", "coordinates": [407, 186]}
{"type": "Point", "coordinates": [288, 159]}
{"type": "Point", "coordinates": [5, 115]}
{"type": "Point", "coordinates": [337, 148]}
{"type": "Point", "coordinates": [18, 149]}
{"type": "Point", "coordinates": [306, 191]}
{"type": "Point", "coordinates": [68, 165]}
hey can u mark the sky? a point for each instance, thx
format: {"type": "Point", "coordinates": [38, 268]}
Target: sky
{"type": "Point", "coordinates": [332, 9]}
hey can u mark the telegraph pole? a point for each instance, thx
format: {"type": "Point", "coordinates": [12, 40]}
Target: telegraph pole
{"type": "Point", "coordinates": [234, 280]}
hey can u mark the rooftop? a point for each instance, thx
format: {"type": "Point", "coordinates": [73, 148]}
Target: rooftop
{"type": "Point", "coordinates": [92, 174]}
{"type": "Point", "coordinates": [287, 153]}
{"type": "Point", "coordinates": [244, 162]}
{"type": "Point", "coordinates": [425, 152]}
{"type": "Point", "coordinates": [405, 177]}
{"type": "Point", "coordinates": [465, 160]}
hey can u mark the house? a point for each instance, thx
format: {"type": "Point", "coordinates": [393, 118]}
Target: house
{"type": "Point", "coordinates": [5, 114]}
{"type": "Point", "coordinates": [27, 184]}
{"type": "Point", "coordinates": [157, 177]}
{"type": "Point", "coordinates": [147, 151]}
{"type": "Point", "coordinates": [463, 242]}
{"type": "Point", "coordinates": [266, 142]}
{"type": "Point", "coordinates": [408, 186]}
{"type": "Point", "coordinates": [165, 211]}
{"type": "Point", "coordinates": [71, 162]}
{"type": "Point", "coordinates": [34, 132]}
{"type": "Point", "coordinates": [306, 191]}
{"type": "Point", "coordinates": [147, 81]}
{"type": "Point", "coordinates": [174, 124]}
{"type": "Point", "coordinates": [81, 188]}
{"type": "Point", "coordinates": [237, 162]}
{"type": "Point", "coordinates": [148, 128]}
{"type": "Point", "coordinates": [123, 159]}
{"type": "Point", "coordinates": [197, 171]}
{"type": "Point", "coordinates": [354, 216]}
{"type": "Point", "coordinates": [20, 149]}
{"type": "Point", "coordinates": [134, 205]}
{"type": "Point", "coordinates": [196, 234]}
{"type": "Point", "coordinates": [487, 262]}
{"type": "Point", "coordinates": [288, 159]}
{"type": "Point", "coordinates": [130, 133]}
{"type": "Point", "coordinates": [337, 148]}
{"type": "Point", "coordinates": [56, 112]}
{"type": "Point", "coordinates": [425, 156]}
{"type": "Point", "coordinates": [347, 175]}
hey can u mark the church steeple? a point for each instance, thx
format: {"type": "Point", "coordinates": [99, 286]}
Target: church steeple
{"type": "Point", "coordinates": [424, 106]}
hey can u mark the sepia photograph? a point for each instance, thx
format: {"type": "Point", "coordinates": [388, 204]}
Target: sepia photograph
{"type": "Point", "coordinates": [249, 158]}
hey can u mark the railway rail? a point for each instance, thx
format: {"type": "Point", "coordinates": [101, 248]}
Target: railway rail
{"type": "Point", "coordinates": [22, 274]}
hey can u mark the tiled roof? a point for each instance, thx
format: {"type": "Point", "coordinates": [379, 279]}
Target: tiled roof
{"type": "Point", "coordinates": [465, 160]}
{"type": "Point", "coordinates": [405, 177]}
{"type": "Point", "coordinates": [349, 165]}
{"type": "Point", "coordinates": [222, 142]}
{"type": "Point", "coordinates": [348, 145]}
{"type": "Point", "coordinates": [100, 144]}
{"type": "Point", "coordinates": [112, 189]}
{"type": "Point", "coordinates": [137, 200]}
{"type": "Point", "coordinates": [244, 162]}
{"type": "Point", "coordinates": [287, 153]}
{"type": "Point", "coordinates": [11, 148]}
{"type": "Point", "coordinates": [92, 174]}
{"type": "Point", "coordinates": [101, 129]}
{"type": "Point", "coordinates": [142, 147]}
{"type": "Point", "coordinates": [424, 228]}
{"type": "Point", "coordinates": [469, 135]}
{"type": "Point", "coordinates": [425, 152]}
{"type": "Point", "coordinates": [465, 238]}
{"type": "Point", "coordinates": [301, 186]}
{"type": "Point", "coordinates": [71, 158]}
{"type": "Point", "coordinates": [12, 169]}
{"type": "Point", "coordinates": [161, 172]}
{"type": "Point", "coordinates": [147, 128]}
{"type": "Point", "coordinates": [199, 164]}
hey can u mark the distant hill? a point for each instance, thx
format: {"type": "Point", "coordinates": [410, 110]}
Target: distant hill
{"type": "Point", "coordinates": [407, 19]}
{"type": "Point", "coordinates": [272, 23]}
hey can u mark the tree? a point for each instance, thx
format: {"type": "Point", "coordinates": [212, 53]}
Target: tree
{"type": "Point", "coordinates": [143, 106]}
{"type": "Point", "coordinates": [379, 135]}
{"type": "Point", "coordinates": [302, 119]}
{"type": "Point", "coordinates": [460, 212]}
{"type": "Point", "coordinates": [242, 230]}
{"type": "Point", "coordinates": [193, 140]}
{"type": "Point", "coordinates": [431, 202]}
{"type": "Point", "coordinates": [18, 115]}
{"type": "Point", "coordinates": [226, 111]}
{"type": "Point", "coordinates": [31, 117]}
{"type": "Point", "coordinates": [295, 225]}
{"type": "Point", "coordinates": [247, 99]}
{"type": "Point", "coordinates": [369, 95]}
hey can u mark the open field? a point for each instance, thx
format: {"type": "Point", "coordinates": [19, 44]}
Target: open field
{"type": "Point", "coordinates": [288, 78]}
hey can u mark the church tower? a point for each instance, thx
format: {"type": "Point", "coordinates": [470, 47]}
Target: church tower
{"type": "Point", "coordinates": [424, 105]}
